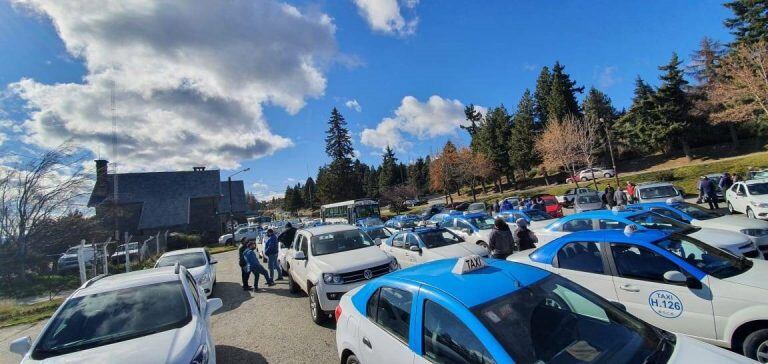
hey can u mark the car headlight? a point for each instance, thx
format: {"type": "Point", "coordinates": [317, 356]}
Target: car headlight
{"type": "Point", "coordinates": [204, 279]}
{"type": "Point", "coordinates": [755, 232]}
{"type": "Point", "coordinates": [331, 278]}
{"type": "Point", "coordinates": [393, 265]}
{"type": "Point", "coordinates": [758, 204]}
{"type": "Point", "coordinates": [201, 356]}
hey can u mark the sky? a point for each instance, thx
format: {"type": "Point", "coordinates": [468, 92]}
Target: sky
{"type": "Point", "coordinates": [251, 84]}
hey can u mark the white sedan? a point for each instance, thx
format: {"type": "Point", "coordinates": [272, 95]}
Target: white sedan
{"type": "Point", "coordinates": [427, 244]}
{"type": "Point", "coordinates": [749, 197]}
{"type": "Point", "coordinates": [146, 316]}
{"type": "Point", "coordinates": [198, 262]}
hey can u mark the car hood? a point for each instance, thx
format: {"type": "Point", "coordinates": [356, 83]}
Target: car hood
{"type": "Point", "coordinates": [521, 256]}
{"type": "Point", "coordinates": [759, 198]}
{"type": "Point", "coordinates": [663, 199]}
{"type": "Point", "coordinates": [588, 206]}
{"type": "Point", "coordinates": [458, 250]}
{"type": "Point", "coordinates": [172, 346]}
{"type": "Point", "coordinates": [197, 272]}
{"type": "Point", "coordinates": [689, 350]}
{"type": "Point", "coordinates": [720, 238]}
{"type": "Point", "coordinates": [754, 277]}
{"type": "Point", "coordinates": [352, 260]}
{"type": "Point", "coordinates": [731, 222]}
{"type": "Point", "coordinates": [536, 225]}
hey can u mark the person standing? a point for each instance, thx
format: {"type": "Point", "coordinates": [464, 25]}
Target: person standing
{"type": "Point", "coordinates": [244, 271]}
{"type": "Point", "coordinates": [271, 249]}
{"type": "Point", "coordinates": [631, 192]}
{"type": "Point", "coordinates": [254, 267]}
{"type": "Point", "coordinates": [709, 192]}
{"type": "Point", "coordinates": [620, 197]}
{"type": "Point", "coordinates": [725, 182]}
{"type": "Point", "coordinates": [609, 197]}
{"type": "Point", "coordinates": [524, 238]}
{"type": "Point", "coordinates": [501, 243]}
{"type": "Point", "coordinates": [286, 237]}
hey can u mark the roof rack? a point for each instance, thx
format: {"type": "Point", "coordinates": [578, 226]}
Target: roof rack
{"type": "Point", "coordinates": [89, 282]}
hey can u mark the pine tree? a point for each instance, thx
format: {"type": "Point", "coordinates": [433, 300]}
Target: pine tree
{"type": "Point", "coordinates": [522, 155]}
{"type": "Point", "coordinates": [541, 95]}
{"type": "Point", "coordinates": [494, 140]}
{"type": "Point", "coordinates": [338, 143]}
{"type": "Point", "coordinates": [638, 127]}
{"type": "Point", "coordinates": [389, 171]}
{"type": "Point", "coordinates": [562, 95]}
{"type": "Point", "coordinates": [673, 105]}
{"type": "Point", "coordinates": [597, 105]}
{"type": "Point", "coordinates": [473, 116]}
{"type": "Point", "coordinates": [309, 193]}
{"type": "Point", "coordinates": [704, 67]}
{"type": "Point", "coordinates": [372, 183]}
{"type": "Point", "coordinates": [750, 20]}
{"type": "Point", "coordinates": [337, 181]}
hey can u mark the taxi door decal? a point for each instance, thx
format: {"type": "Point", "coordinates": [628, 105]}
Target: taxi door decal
{"type": "Point", "coordinates": [665, 304]}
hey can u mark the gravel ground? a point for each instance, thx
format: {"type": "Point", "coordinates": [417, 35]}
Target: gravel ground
{"type": "Point", "coordinates": [265, 327]}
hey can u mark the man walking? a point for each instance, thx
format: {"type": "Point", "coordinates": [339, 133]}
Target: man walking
{"type": "Point", "coordinates": [271, 249]}
{"type": "Point", "coordinates": [609, 197]}
{"type": "Point", "coordinates": [244, 271]}
{"type": "Point", "coordinates": [253, 266]}
{"type": "Point", "coordinates": [708, 191]}
{"type": "Point", "coordinates": [725, 182]}
{"type": "Point", "coordinates": [620, 197]}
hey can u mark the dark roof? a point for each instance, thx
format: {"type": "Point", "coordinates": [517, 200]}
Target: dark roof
{"type": "Point", "coordinates": [238, 197]}
{"type": "Point", "coordinates": [164, 196]}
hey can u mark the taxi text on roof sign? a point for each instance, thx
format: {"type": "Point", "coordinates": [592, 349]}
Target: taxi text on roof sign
{"type": "Point", "coordinates": [468, 264]}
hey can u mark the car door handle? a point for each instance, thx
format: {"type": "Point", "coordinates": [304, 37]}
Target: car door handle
{"type": "Point", "coordinates": [629, 288]}
{"type": "Point", "coordinates": [367, 343]}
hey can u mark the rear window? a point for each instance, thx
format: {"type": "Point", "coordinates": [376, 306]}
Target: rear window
{"type": "Point", "coordinates": [191, 260]}
{"type": "Point", "coordinates": [106, 318]}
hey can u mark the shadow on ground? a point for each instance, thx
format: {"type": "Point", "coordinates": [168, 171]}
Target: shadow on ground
{"type": "Point", "coordinates": [230, 354]}
{"type": "Point", "coordinates": [231, 294]}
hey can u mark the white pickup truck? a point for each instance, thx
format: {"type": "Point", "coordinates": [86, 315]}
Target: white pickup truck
{"type": "Point", "coordinates": [328, 261]}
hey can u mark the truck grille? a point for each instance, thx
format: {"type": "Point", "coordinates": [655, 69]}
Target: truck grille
{"type": "Point", "coordinates": [359, 275]}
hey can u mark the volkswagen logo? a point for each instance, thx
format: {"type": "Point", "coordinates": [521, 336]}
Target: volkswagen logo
{"type": "Point", "coordinates": [368, 274]}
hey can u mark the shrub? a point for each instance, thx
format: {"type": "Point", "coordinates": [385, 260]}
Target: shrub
{"type": "Point", "coordinates": [666, 176]}
{"type": "Point", "coordinates": [178, 241]}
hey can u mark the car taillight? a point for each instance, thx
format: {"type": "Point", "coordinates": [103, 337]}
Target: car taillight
{"type": "Point", "coordinates": [337, 313]}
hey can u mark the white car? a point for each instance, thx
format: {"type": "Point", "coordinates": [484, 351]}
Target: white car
{"type": "Point", "coordinates": [598, 172]}
{"type": "Point", "coordinates": [749, 197]}
{"type": "Point", "coordinates": [569, 196]}
{"type": "Point", "coordinates": [198, 262]}
{"type": "Point", "coordinates": [147, 316]}
{"type": "Point", "coordinates": [327, 261]}
{"type": "Point", "coordinates": [248, 233]}
{"type": "Point", "coordinates": [657, 192]}
{"type": "Point", "coordinates": [672, 281]}
{"type": "Point", "coordinates": [474, 228]}
{"type": "Point", "coordinates": [68, 261]}
{"type": "Point", "coordinates": [427, 244]}
{"type": "Point", "coordinates": [118, 257]}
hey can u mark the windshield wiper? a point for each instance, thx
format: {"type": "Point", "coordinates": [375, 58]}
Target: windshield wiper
{"type": "Point", "coordinates": [666, 342]}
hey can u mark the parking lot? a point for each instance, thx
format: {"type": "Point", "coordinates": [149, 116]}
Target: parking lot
{"type": "Point", "coordinates": [266, 327]}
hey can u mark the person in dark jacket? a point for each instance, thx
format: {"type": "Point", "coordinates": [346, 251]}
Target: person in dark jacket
{"type": "Point", "coordinates": [246, 274]}
{"type": "Point", "coordinates": [725, 182]}
{"type": "Point", "coordinates": [708, 190]}
{"type": "Point", "coordinates": [286, 237]}
{"type": "Point", "coordinates": [524, 237]}
{"type": "Point", "coordinates": [501, 243]}
{"type": "Point", "coordinates": [609, 197]}
{"type": "Point", "coordinates": [271, 249]}
{"type": "Point", "coordinates": [253, 266]}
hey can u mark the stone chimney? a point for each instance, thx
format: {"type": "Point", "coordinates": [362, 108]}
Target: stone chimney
{"type": "Point", "coordinates": [101, 189]}
{"type": "Point", "coordinates": [198, 169]}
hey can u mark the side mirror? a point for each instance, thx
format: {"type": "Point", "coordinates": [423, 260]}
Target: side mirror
{"type": "Point", "coordinates": [214, 262]}
{"type": "Point", "coordinates": [415, 248]}
{"type": "Point", "coordinates": [377, 241]}
{"type": "Point", "coordinates": [299, 255]}
{"type": "Point", "coordinates": [21, 346]}
{"type": "Point", "coordinates": [213, 305]}
{"type": "Point", "coordinates": [619, 305]}
{"type": "Point", "coordinates": [675, 277]}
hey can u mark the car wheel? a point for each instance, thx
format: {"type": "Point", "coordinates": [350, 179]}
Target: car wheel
{"type": "Point", "coordinates": [482, 244]}
{"type": "Point", "coordinates": [292, 286]}
{"type": "Point", "coordinates": [607, 175]}
{"type": "Point", "coordinates": [730, 209]}
{"type": "Point", "coordinates": [352, 359]}
{"type": "Point", "coordinates": [751, 214]}
{"type": "Point", "coordinates": [318, 316]}
{"type": "Point", "coordinates": [756, 346]}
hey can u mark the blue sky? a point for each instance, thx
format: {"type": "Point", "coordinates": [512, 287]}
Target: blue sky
{"type": "Point", "coordinates": [410, 68]}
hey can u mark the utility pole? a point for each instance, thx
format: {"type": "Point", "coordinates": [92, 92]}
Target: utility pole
{"type": "Point", "coordinates": [610, 151]}
{"type": "Point", "coordinates": [231, 210]}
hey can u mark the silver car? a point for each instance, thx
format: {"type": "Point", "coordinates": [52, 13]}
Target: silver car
{"type": "Point", "coordinates": [587, 202]}
{"type": "Point", "coordinates": [598, 172]}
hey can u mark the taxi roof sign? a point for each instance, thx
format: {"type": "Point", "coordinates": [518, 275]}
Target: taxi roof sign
{"type": "Point", "coordinates": [468, 264]}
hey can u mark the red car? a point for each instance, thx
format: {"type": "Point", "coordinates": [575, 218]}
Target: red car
{"type": "Point", "coordinates": [551, 205]}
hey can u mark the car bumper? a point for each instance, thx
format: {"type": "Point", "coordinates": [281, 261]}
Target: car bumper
{"type": "Point", "coordinates": [760, 212]}
{"type": "Point", "coordinates": [330, 294]}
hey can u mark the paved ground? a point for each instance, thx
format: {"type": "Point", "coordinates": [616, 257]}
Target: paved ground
{"type": "Point", "coordinates": [266, 327]}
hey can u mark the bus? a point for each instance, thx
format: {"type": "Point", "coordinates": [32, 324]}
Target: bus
{"type": "Point", "coordinates": [349, 212]}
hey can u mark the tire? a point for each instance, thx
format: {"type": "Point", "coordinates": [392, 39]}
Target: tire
{"type": "Point", "coordinates": [607, 175]}
{"type": "Point", "coordinates": [751, 214]}
{"type": "Point", "coordinates": [482, 244]}
{"type": "Point", "coordinates": [292, 286]}
{"type": "Point", "coordinates": [317, 313]}
{"type": "Point", "coordinates": [755, 346]}
{"type": "Point", "coordinates": [352, 359]}
{"type": "Point", "coordinates": [730, 209]}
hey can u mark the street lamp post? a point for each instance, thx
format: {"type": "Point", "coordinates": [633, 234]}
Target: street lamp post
{"type": "Point", "coordinates": [231, 213]}
{"type": "Point", "coordinates": [610, 151]}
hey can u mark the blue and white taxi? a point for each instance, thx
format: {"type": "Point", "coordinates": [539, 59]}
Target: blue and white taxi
{"type": "Point", "coordinates": [756, 230]}
{"type": "Point", "coordinates": [731, 241]}
{"type": "Point", "coordinates": [401, 222]}
{"type": "Point", "coordinates": [669, 280]}
{"type": "Point", "coordinates": [475, 310]}
{"type": "Point", "coordinates": [474, 227]}
{"type": "Point", "coordinates": [426, 244]}
{"type": "Point", "coordinates": [535, 217]}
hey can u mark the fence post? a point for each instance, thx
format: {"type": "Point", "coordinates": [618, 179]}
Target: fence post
{"type": "Point", "coordinates": [106, 257]}
{"type": "Point", "coordinates": [127, 256]}
{"type": "Point", "coordinates": [157, 243]}
{"type": "Point", "coordinates": [81, 261]}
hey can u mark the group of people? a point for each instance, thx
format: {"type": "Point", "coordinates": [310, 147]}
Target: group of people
{"type": "Point", "coordinates": [618, 197]}
{"type": "Point", "coordinates": [503, 241]}
{"type": "Point", "coordinates": [527, 203]}
{"type": "Point", "coordinates": [708, 188]}
{"type": "Point", "coordinates": [249, 261]}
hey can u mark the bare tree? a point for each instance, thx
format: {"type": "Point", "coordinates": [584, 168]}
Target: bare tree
{"type": "Point", "coordinates": [34, 192]}
{"type": "Point", "coordinates": [396, 196]}
{"type": "Point", "coordinates": [557, 146]}
{"type": "Point", "coordinates": [741, 88]}
{"type": "Point", "coordinates": [585, 136]}
{"type": "Point", "coordinates": [473, 167]}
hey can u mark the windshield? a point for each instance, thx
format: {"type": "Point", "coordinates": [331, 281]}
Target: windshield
{"type": "Point", "coordinates": [131, 246]}
{"type": "Point", "coordinates": [697, 212]}
{"type": "Point", "coordinates": [658, 192]}
{"type": "Point", "coordinates": [105, 318]}
{"type": "Point", "coordinates": [406, 224]}
{"type": "Point", "coordinates": [537, 215]}
{"type": "Point", "coordinates": [374, 221]}
{"type": "Point", "coordinates": [437, 238]}
{"type": "Point", "coordinates": [71, 251]}
{"type": "Point", "coordinates": [190, 260]}
{"type": "Point", "coordinates": [481, 222]}
{"type": "Point", "coordinates": [584, 199]}
{"type": "Point", "coordinates": [715, 262]}
{"type": "Point", "coordinates": [657, 222]}
{"type": "Point", "coordinates": [758, 189]}
{"type": "Point", "coordinates": [379, 233]}
{"type": "Point", "coordinates": [340, 241]}
{"type": "Point", "coordinates": [364, 211]}
{"type": "Point", "coordinates": [556, 321]}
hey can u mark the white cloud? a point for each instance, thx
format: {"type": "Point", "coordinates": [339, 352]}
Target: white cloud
{"type": "Point", "coordinates": [435, 117]}
{"type": "Point", "coordinates": [354, 105]}
{"type": "Point", "coordinates": [190, 78]}
{"type": "Point", "coordinates": [263, 192]}
{"type": "Point", "coordinates": [385, 16]}
{"type": "Point", "coordinates": [608, 77]}
{"type": "Point", "coordinates": [3, 138]}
